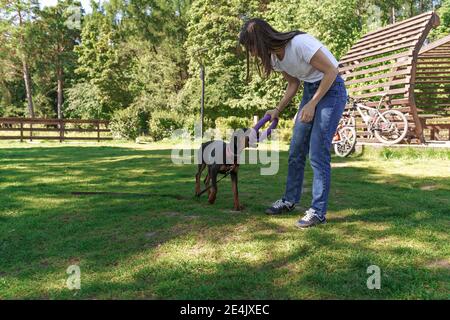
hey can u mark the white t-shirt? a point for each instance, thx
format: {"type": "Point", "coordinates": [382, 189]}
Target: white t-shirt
{"type": "Point", "coordinates": [297, 57]}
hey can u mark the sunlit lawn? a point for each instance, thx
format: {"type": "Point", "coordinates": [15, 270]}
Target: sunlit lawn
{"type": "Point", "coordinates": [393, 213]}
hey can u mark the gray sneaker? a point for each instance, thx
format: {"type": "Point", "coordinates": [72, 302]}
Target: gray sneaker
{"type": "Point", "coordinates": [310, 219]}
{"type": "Point", "coordinates": [280, 206]}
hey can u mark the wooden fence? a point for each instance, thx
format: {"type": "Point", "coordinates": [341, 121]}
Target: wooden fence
{"type": "Point", "coordinates": [53, 129]}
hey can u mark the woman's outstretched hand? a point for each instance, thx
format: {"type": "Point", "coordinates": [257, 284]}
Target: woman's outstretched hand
{"type": "Point", "coordinates": [273, 114]}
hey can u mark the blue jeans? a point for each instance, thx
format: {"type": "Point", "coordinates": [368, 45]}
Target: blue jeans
{"type": "Point", "coordinates": [315, 138]}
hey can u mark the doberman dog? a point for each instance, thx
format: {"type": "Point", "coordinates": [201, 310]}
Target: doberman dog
{"type": "Point", "coordinates": [221, 157]}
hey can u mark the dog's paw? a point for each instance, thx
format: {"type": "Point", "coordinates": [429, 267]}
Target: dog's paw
{"type": "Point", "coordinates": [240, 208]}
{"type": "Point", "coordinates": [212, 197]}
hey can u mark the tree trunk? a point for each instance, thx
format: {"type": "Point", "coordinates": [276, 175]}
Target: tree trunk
{"type": "Point", "coordinates": [26, 68]}
{"type": "Point", "coordinates": [422, 6]}
{"type": "Point", "coordinates": [392, 15]}
{"type": "Point", "coordinates": [60, 76]}
{"type": "Point", "coordinates": [27, 79]}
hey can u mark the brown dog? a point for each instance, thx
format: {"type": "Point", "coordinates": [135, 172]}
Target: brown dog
{"type": "Point", "coordinates": [220, 157]}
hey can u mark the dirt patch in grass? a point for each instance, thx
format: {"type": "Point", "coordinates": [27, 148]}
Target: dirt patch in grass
{"type": "Point", "coordinates": [192, 217]}
{"type": "Point", "coordinates": [341, 164]}
{"type": "Point", "coordinates": [281, 229]}
{"type": "Point", "coordinates": [71, 217]}
{"type": "Point", "coordinates": [172, 214]}
{"type": "Point", "coordinates": [442, 264]}
{"type": "Point", "coordinates": [429, 187]}
{"type": "Point", "coordinates": [44, 264]}
{"type": "Point", "coordinates": [150, 235]}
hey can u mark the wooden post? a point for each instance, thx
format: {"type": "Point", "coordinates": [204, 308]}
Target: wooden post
{"type": "Point", "coordinates": [98, 131]}
{"type": "Point", "coordinates": [255, 120]}
{"type": "Point", "coordinates": [31, 131]}
{"type": "Point", "coordinates": [202, 99]}
{"type": "Point", "coordinates": [412, 79]}
{"type": "Point", "coordinates": [61, 130]}
{"type": "Point", "coordinates": [432, 134]}
{"type": "Point", "coordinates": [21, 131]}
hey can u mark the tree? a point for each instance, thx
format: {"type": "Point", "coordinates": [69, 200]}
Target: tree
{"type": "Point", "coordinates": [396, 10]}
{"type": "Point", "coordinates": [215, 25]}
{"type": "Point", "coordinates": [336, 23]}
{"type": "Point", "coordinates": [444, 13]}
{"type": "Point", "coordinates": [58, 35]}
{"type": "Point", "coordinates": [18, 35]}
{"type": "Point", "coordinates": [99, 61]}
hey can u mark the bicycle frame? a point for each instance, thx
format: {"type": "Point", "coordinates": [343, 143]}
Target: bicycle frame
{"type": "Point", "coordinates": [368, 116]}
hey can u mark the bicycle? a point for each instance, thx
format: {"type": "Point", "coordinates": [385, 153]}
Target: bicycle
{"type": "Point", "coordinates": [344, 139]}
{"type": "Point", "coordinates": [389, 127]}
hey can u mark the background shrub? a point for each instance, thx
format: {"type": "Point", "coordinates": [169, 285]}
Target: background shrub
{"type": "Point", "coordinates": [285, 127]}
{"type": "Point", "coordinates": [162, 124]}
{"type": "Point", "coordinates": [233, 122]}
{"type": "Point", "coordinates": [125, 124]}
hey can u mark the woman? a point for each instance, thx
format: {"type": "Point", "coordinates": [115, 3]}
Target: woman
{"type": "Point", "coordinates": [301, 57]}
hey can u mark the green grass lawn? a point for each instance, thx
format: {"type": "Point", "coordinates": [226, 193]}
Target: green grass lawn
{"type": "Point", "coordinates": [387, 208]}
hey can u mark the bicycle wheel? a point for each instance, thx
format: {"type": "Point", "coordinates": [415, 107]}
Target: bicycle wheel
{"type": "Point", "coordinates": [345, 146]}
{"type": "Point", "coordinates": [393, 129]}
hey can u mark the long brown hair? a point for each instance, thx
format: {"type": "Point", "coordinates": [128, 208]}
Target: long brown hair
{"type": "Point", "coordinates": [258, 36]}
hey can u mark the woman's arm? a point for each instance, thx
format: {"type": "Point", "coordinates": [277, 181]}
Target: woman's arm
{"type": "Point", "coordinates": [291, 91]}
{"type": "Point", "coordinates": [321, 62]}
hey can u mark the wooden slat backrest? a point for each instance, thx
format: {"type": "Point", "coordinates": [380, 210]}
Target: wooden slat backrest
{"type": "Point", "coordinates": [382, 62]}
{"type": "Point", "coordinates": [432, 86]}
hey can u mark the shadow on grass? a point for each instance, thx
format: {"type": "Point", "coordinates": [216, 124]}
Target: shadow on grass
{"type": "Point", "coordinates": [44, 229]}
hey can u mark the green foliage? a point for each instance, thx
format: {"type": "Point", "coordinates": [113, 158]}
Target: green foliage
{"type": "Point", "coordinates": [11, 111]}
{"type": "Point", "coordinates": [100, 63]}
{"type": "Point", "coordinates": [444, 12]}
{"type": "Point", "coordinates": [337, 23]}
{"type": "Point", "coordinates": [162, 124]}
{"type": "Point", "coordinates": [232, 122]}
{"type": "Point", "coordinates": [125, 124]}
{"type": "Point", "coordinates": [214, 26]}
{"type": "Point", "coordinates": [444, 28]}
{"type": "Point", "coordinates": [154, 75]}
{"type": "Point", "coordinates": [43, 106]}
{"type": "Point", "coordinates": [86, 101]}
{"type": "Point", "coordinates": [409, 154]}
{"type": "Point", "coordinates": [18, 43]}
{"type": "Point", "coordinates": [56, 59]}
{"type": "Point", "coordinates": [284, 128]}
